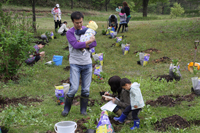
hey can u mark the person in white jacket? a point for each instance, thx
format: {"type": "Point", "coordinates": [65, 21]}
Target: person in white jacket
{"type": "Point", "coordinates": [63, 29]}
{"type": "Point", "coordinates": [136, 100]}
{"type": "Point", "coordinates": [57, 16]}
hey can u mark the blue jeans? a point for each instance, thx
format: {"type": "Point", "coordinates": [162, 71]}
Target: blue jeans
{"type": "Point", "coordinates": [86, 76]}
{"type": "Point", "coordinates": [127, 20]}
{"type": "Point", "coordinates": [135, 112]}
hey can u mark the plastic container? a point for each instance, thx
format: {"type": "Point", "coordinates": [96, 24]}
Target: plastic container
{"type": "Point", "coordinates": [65, 127]}
{"type": "Point", "coordinates": [57, 59]}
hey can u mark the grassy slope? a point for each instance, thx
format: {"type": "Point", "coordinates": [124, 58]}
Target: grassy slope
{"type": "Point", "coordinates": [176, 43]}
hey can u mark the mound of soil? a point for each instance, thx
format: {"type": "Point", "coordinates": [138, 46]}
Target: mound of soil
{"type": "Point", "coordinates": [162, 59]}
{"type": "Point", "coordinates": [164, 100]}
{"type": "Point", "coordinates": [50, 131]}
{"type": "Point", "coordinates": [25, 100]}
{"type": "Point", "coordinates": [167, 77]}
{"type": "Point", "coordinates": [170, 100]}
{"type": "Point", "coordinates": [13, 78]}
{"type": "Point", "coordinates": [173, 121]}
{"type": "Point", "coordinates": [66, 48]}
{"type": "Point", "coordinates": [150, 50]}
{"type": "Point", "coordinates": [67, 68]}
{"type": "Point", "coordinates": [80, 127]}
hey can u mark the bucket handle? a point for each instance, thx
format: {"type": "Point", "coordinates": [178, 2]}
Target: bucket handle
{"type": "Point", "coordinates": [55, 128]}
{"type": "Point", "coordinates": [75, 128]}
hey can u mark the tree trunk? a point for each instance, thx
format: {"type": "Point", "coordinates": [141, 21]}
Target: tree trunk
{"type": "Point", "coordinates": [71, 4]}
{"type": "Point", "coordinates": [145, 5]}
{"type": "Point", "coordinates": [163, 7]}
{"type": "Point", "coordinates": [106, 5]}
{"type": "Point", "coordinates": [34, 18]}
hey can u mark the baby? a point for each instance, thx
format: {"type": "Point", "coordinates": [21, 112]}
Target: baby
{"type": "Point", "coordinates": [86, 33]}
{"type": "Point", "coordinates": [56, 11]}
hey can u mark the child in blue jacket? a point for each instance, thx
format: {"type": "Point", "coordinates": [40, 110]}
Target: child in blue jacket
{"type": "Point", "coordinates": [136, 101]}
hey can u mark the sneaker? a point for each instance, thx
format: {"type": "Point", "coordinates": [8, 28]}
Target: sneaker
{"type": "Point", "coordinates": [126, 29]}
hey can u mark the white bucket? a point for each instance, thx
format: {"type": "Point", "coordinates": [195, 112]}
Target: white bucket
{"type": "Point", "coordinates": [65, 127]}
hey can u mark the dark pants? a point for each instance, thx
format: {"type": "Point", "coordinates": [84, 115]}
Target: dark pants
{"type": "Point", "coordinates": [116, 109]}
{"type": "Point", "coordinates": [123, 27]}
{"type": "Point", "coordinates": [37, 58]}
{"type": "Point", "coordinates": [57, 23]}
{"type": "Point", "coordinates": [64, 33]}
{"type": "Point", "coordinates": [134, 112]}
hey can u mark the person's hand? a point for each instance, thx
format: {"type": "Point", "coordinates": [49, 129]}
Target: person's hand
{"type": "Point", "coordinates": [135, 106]}
{"type": "Point", "coordinates": [107, 99]}
{"type": "Point", "coordinates": [68, 27]}
{"type": "Point", "coordinates": [106, 93]}
{"type": "Point", "coordinates": [113, 100]}
{"type": "Point", "coordinates": [92, 39]}
{"type": "Point", "coordinates": [30, 55]}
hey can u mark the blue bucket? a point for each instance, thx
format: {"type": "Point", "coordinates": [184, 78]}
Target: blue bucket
{"type": "Point", "coordinates": [57, 59]}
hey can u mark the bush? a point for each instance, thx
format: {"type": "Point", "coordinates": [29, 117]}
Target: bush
{"type": "Point", "coordinates": [177, 10]}
{"type": "Point", "coordinates": [15, 45]}
{"type": "Point", "coordinates": [15, 39]}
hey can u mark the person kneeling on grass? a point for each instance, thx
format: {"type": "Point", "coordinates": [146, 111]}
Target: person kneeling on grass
{"type": "Point", "coordinates": [136, 100]}
{"type": "Point", "coordinates": [63, 29]}
{"type": "Point", "coordinates": [37, 55]}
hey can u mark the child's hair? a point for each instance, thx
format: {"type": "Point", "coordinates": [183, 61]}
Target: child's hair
{"type": "Point", "coordinates": [114, 83]}
{"type": "Point", "coordinates": [122, 10]}
{"type": "Point", "coordinates": [65, 22]}
{"type": "Point", "coordinates": [125, 81]}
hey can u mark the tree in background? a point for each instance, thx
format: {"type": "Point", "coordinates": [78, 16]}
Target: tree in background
{"type": "Point", "coordinates": [177, 10]}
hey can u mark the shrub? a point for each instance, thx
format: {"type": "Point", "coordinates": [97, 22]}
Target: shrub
{"type": "Point", "coordinates": [15, 39]}
{"type": "Point", "coordinates": [177, 10]}
{"type": "Point", "coordinates": [15, 45]}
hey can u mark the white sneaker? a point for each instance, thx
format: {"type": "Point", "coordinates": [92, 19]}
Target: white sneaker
{"type": "Point", "coordinates": [126, 28]}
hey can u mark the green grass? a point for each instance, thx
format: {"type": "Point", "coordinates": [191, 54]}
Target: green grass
{"type": "Point", "coordinates": [173, 37]}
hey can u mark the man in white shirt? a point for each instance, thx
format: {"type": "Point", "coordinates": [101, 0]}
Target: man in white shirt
{"type": "Point", "coordinates": [63, 29]}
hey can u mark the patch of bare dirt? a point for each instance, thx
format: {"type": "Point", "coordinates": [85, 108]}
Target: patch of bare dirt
{"type": "Point", "coordinates": [170, 100]}
{"type": "Point", "coordinates": [171, 121]}
{"type": "Point", "coordinates": [168, 78]}
{"type": "Point", "coordinates": [25, 100]}
{"type": "Point", "coordinates": [162, 59]}
{"type": "Point", "coordinates": [150, 50]}
{"type": "Point", "coordinates": [80, 127]}
{"type": "Point", "coordinates": [66, 48]}
{"type": "Point", "coordinates": [67, 68]}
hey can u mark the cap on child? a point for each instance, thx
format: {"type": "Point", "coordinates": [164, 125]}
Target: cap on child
{"type": "Point", "coordinates": [92, 25]}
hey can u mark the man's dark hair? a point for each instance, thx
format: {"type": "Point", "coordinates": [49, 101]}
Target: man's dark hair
{"type": "Point", "coordinates": [76, 15]}
{"type": "Point", "coordinates": [65, 22]}
{"type": "Point", "coordinates": [125, 81]}
{"type": "Point", "coordinates": [122, 10]}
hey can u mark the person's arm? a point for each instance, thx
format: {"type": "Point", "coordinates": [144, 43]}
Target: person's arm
{"type": "Point", "coordinates": [52, 12]}
{"type": "Point", "coordinates": [77, 45]}
{"type": "Point", "coordinates": [124, 99]}
{"type": "Point", "coordinates": [65, 27]}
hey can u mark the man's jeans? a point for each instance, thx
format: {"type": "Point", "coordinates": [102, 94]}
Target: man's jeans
{"type": "Point", "coordinates": [86, 76]}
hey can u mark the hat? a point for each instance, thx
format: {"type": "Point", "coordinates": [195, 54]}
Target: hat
{"type": "Point", "coordinates": [92, 25]}
{"type": "Point", "coordinates": [57, 5]}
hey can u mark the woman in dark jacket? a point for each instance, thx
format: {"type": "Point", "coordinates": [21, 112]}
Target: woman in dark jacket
{"type": "Point", "coordinates": [123, 96]}
{"type": "Point", "coordinates": [127, 11]}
